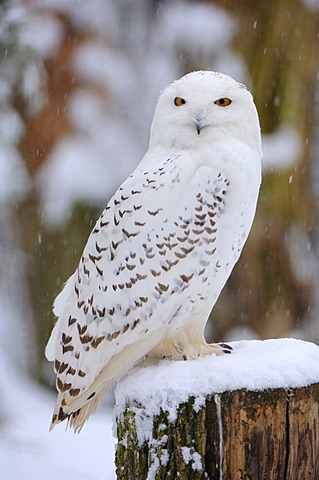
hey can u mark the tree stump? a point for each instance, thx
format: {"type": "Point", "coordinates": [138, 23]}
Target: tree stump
{"type": "Point", "coordinates": [239, 417]}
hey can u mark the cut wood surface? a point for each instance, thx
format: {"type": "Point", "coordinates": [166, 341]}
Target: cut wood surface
{"type": "Point", "coordinates": [241, 434]}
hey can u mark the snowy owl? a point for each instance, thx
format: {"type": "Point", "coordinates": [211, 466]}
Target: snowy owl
{"type": "Point", "coordinates": [163, 248]}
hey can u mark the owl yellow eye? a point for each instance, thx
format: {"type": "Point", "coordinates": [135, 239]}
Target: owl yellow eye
{"type": "Point", "coordinates": [223, 102]}
{"type": "Point", "coordinates": [178, 101]}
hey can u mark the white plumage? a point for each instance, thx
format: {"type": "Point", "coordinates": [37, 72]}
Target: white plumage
{"type": "Point", "coordinates": [162, 250]}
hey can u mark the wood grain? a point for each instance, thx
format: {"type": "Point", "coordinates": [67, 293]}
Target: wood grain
{"type": "Point", "coordinates": [239, 435]}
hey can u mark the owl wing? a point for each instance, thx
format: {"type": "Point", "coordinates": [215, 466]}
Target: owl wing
{"type": "Point", "coordinates": [122, 291]}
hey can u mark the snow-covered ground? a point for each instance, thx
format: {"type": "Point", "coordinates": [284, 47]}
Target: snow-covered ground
{"type": "Point", "coordinates": [29, 451]}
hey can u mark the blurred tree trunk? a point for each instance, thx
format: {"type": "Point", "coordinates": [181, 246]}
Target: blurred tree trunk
{"type": "Point", "coordinates": [268, 292]}
{"type": "Point", "coordinates": [52, 254]}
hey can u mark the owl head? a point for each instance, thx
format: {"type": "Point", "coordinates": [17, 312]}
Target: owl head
{"type": "Point", "coordinates": [205, 108]}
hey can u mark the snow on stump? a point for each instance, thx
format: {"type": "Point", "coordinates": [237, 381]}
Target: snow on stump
{"type": "Point", "coordinates": [250, 415]}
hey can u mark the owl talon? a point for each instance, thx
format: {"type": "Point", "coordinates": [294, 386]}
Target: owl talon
{"type": "Point", "coordinates": [225, 347]}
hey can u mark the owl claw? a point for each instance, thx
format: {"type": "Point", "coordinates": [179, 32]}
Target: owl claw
{"type": "Point", "coordinates": [225, 347]}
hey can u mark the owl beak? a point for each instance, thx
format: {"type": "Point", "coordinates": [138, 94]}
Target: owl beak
{"type": "Point", "coordinates": [199, 123]}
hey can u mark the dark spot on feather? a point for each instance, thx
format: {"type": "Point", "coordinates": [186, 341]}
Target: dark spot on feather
{"type": "Point", "coordinates": [99, 249]}
{"type": "Point", "coordinates": [155, 273]}
{"type": "Point", "coordinates": [90, 300]}
{"type": "Point", "coordinates": [97, 340]}
{"type": "Point", "coordinates": [81, 330]}
{"type": "Point", "coordinates": [140, 277]}
{"type": "Point", "coordinates": [63, 367]}
{"type": "Point", "coordinates": [71, 320]}
{"type": "Point", "coordinates": [137, 207]}
{"type": "Point", "coordinates": [99, 270]}
{"type": "Point", "coordinates": [130, 266]}
{"type": "Point", "coordinates": [186, 278]}
{"type": "Point", "coordinates": [86, 339]}
{"type": "Point", "coordinates": [115, 244]}
{"type": "Point", "coordinates": [101, 313]}
{"type": "Point", "coordinates": [179, 255]}
{"type": "Point", "coordinates": [61, 415]}
{"type": "Point", "coordinates": [113, 336]}
{"type": "Point", "coordinates": [129, 235]}
{"type": "Point", "coordinates": [63, 387]}
{"type": "Point", "coordinates": [187, 250]}
{"type": "Point", "coordinates": [155, 212]}
{"type": "Point", "coordinates": [104, 224]}
{"type": "Point", "coordinates": [171, 264]}
{"type": "Point", "coordinates": [122, 213]}
{"type": "Point", "coordinates": [136, 322]}
{"type": "Point", "coordinates": [68, 348]}
{"type": "Point", "coordinates": [94, 259]}
{"type": "Point", "coordinates": [74, 392]}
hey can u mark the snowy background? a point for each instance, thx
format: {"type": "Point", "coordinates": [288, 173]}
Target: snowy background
{"type": "Point", "coordinates": [78, 85]}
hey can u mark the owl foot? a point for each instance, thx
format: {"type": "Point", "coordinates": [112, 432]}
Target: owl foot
{"type": "Point", "coordinates": [210, 348]}
{"type": "Point", "coordinates": [186, 347]}
{"type": "Point", "coordinates": [215, 348]}
{"type": "Point", "coordinates": [225, 347]}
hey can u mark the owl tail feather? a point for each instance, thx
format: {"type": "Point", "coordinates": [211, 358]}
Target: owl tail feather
{"type": "Point", "coordinates": [77, 410]}
{"type": "Point", "coordinates": [77, 418]}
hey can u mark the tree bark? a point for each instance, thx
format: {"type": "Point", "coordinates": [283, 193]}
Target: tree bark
{"type": "Point", "coordinates": [269, 435]}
